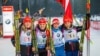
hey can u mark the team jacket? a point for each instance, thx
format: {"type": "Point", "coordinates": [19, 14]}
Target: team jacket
{"type": "Point", "coordinates": [70, 35]}
{"type": "Point", "coordinates": [25, 37]}
{"type": "Point", "coordinates": [41, 38]}
{"type": "Point", "coordinates": [71, 38]}
{"type": "Point", "coordinates": [57, 37]}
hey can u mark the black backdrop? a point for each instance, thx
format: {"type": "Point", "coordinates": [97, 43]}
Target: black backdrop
{"type": "Point", "coordinates": [53, 8]}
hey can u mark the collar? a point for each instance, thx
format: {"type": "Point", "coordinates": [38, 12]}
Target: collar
{"type": "Point", "coordinates": [55, 30]}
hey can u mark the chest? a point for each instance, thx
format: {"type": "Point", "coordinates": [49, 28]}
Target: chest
{"type": "Point", "coordinates": [70, 33]}
{"type": "Point", "coordinates": [57, 34]}
{"type": "Point", "coordinates": [26, 34]}
{"type": "Point", "coordinates": [41, 35]}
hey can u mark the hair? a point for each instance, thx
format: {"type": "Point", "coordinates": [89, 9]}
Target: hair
{"type": "Point", "coordinates": [40, 28]}
{"type": "Point", "coordinates": [66, 27]}
{"type": "Point", "coordinates": [23, 28]}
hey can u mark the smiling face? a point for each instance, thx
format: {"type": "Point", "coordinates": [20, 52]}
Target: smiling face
{"type": "Point", "coordinates": [42, 26]}
{"type": "Point", "coordinates": [27, 25]}
{"type": "Point", "coordinates": [42, 23]}
{"type": "Point", "coordinates": [56, 25]}
{"type": "Point", "coordinates": [67, 24]}
{"type": "Point", "coordinates": [27, 21]}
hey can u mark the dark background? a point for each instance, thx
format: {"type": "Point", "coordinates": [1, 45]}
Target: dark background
{"type": "Point", "coordinates": [52, 7]}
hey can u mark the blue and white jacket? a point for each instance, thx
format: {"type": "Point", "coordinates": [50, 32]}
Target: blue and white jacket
{"type": "Point", "coordinates": [57, 37]}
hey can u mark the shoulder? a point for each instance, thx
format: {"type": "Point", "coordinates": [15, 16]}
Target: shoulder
{"type": "Point", "coordinates": [62, 25]}
{"type": "Point", "coordinates": [74, 30]}
{"type": "Point", "coordinates": [36, 28]}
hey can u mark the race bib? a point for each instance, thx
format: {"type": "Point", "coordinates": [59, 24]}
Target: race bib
{"type": "Point", "coordinates": [25, 37]}
{"type": "Point", "coordinates": [41, 41]}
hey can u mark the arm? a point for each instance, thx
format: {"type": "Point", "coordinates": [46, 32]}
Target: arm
{"type": "Point", "coordinates": [13, 38]}
{"type": "Point", "coordinates": [13, 41]}
{"type": "Point", "coordinates": [87, 25]}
